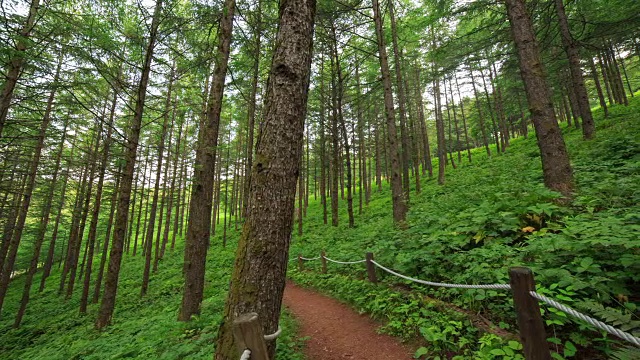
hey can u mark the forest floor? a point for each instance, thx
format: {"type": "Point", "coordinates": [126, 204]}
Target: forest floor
{"type": "Point", "coordinates": [336, 332]}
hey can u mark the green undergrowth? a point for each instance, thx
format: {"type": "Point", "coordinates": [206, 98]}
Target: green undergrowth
{"type": "Point", "coordinates": [495, 213]}
{"type": "Point", "coordinates": [408, 315]}
{"type": "Point", "coordinates": [143, 328]}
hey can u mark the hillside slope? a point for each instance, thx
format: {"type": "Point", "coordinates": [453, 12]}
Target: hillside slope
{"type": "Point", "coordinates": [493, 214]}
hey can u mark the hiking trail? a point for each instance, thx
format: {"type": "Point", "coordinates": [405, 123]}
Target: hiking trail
{"type": "Point", "coordinates": [337, 332]}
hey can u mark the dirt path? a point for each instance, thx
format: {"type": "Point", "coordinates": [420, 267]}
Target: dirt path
{"type": "Point", "coordinates": [336, 331]}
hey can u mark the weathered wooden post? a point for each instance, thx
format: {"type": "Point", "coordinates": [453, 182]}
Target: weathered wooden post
{"type": "Point", "coordinates": [300, 262]}
{"type": "Point", "coordinates": [532, 333]}
{"type": "Point", "coordinates": [324, 262]}
{"type": "Point", "coordinates": [247, 333]}
{"type": "Point", "coordinates": [371, 268]}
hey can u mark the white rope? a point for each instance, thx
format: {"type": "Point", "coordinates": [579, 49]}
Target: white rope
{"type": "Point", "coordinates": [246, 355]}
{"type": "Point", "coordinates": [312, 259]}
{"type": "Point", "coordinates": [345, 262]}
{"type": "Point", "coordinates": [274, 335]}
{"type": "Point", "coordinates": [598, 324]}
{"type": "Point", "coordinates": [460, 286]}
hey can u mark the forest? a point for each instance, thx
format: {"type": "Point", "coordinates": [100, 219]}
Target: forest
{"type": "Point", "coordinates": [168, 165]}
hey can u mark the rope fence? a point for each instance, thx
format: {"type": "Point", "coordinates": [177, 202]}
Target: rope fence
{"type": "Point", "coordinates": [595, 323]}
{"type": "Point", "coordinates": [526, 301]}
{"type": "Point", "coordinates": [345, 262]}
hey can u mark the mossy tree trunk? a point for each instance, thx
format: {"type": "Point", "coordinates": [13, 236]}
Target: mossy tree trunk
{"type": "Point", "coordinates": [556, 169]}
{"type": "Point", "coordinates": [397, 196]}
{"type": "Point", "coordinates": [199, 224]}
{"type": "Point", "coordinates": [258, 278]}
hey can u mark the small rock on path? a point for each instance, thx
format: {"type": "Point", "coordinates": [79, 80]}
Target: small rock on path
{"type": "Point", "coordinates": [336, 331]}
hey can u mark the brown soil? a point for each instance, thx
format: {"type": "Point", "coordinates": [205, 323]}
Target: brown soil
{"type": "Point", "coordinates": [336, 331]}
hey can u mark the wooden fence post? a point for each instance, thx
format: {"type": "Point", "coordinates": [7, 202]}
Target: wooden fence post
{"type": "Point", "coordinates": [324, 262]}
{"type": "Point", "coordinates": [247, 333]}
{"type": "Point", "coordinates": [532, 333]}
{"type": "Point", "coordinates": [371, 268]}
{"type": "Point", "coordinates": [300, 262]}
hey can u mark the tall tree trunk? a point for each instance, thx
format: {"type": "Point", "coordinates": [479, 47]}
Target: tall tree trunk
{"type": "Point", "coordinates": [483, 131]}
{"type": "Point", "coordinates": [494, 127]}
{"type": "Point", "coordinates": [577, 81]}
{"type": "Point", "coordinates": [448, 107]}
{"type": "Point", "coordinates": [251, 113]}
{"type": "Point", "coordinates": [108, 302]}
{"type": "Point", "coordinates": [73, 266]}
{"type": "Point", "coordinates": [343, 127]}
{"type": "Point", "coordinates": [107, 237]}
{"type": "Point", "coordinates": [199, 226]}
{"type": "Point", "coordinates": [405, 150]}
{"type": "Point", "coordinates": [179, 153]}
{"type": "Point", "coordinates": [257, 284]}
{"type": "Point", "coordinates": [16, 63]}
{"type": "Point", "coordinates": [464, 119]}
{"type": "Point", "coordinates": [336, 164]}
{"type": "Point", "coordinates": [176, 156]}
{"type": "Point", "coordinates": [378, 160]}
{"type": "Point", "coordinates": [596, 81]}
{"type": "Point", "coordinates": [415, 153]}
{"type": "Point", "coordinates": [556, 169]}
{"type": "Point", "coordinates": [48, 263]}
{"type": "Point", "coordinates": [499, 107]}
{"type": "Point", "coordinates": [10, 224]}
{"type": "Point", "coordinates": [423, 126]}
{"type": "Point", "coordinates": [160, 244]}
{"type": "Point", "coordinates": [605, 77]}
{"type": "Point", "coordinates": [142, 197]}
{"type": "Point", "coordinates": [626, 76]}
{"type": "Point", "coordinates": [76, 218]}
{"type": "Point", "coordinates": [398, 200]}
{"type": "Point", "coordinates": [93, 226]}
{"type": "Point", "coordinates": [616, 74]}
{"type": "Point", "coordinates": [42, 229]}
{"type": "Point", "coordinates": [25, 201]}
{"type": "Point", "coordinates": [442, 150]}
{"type": "Point", "coordinates": [148, 248]}
{"type": "Point", "coordinates": [323, 156]}
{"type": "Point", "coordinates": [455, 121]}
{"type": "Point", "coordinates": [361, 139]}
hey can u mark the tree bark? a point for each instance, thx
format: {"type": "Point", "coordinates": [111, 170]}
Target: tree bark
{"type": "Point", "coordinates": [48, 263]}
{"type": "Point", "coordinates": [596, 81]}
{"type": "Point", "coordinates": [108, 302]}
{"type": "Point", "coordinates": [199, 225]}
{"type": "Point", "coordinates": [42, 228]}
{"type": "Point", "coordinates": [106, 148]}
{"type": "Point", "coordinates": [480, 116]}
{"type": "Point", "coordinates": [336, 164]}
{"type": "Point", "coordinates": [442, 150]}
{"type": "Point", "coordinates": [404, 149]}
{"type": "Point", "coordinates": [323, 161]}
{"type": "Point", "coordinates": [556, 169]}
{"type": "Point", "coordinates": [577, 81]}
{"type": "Point", "coordinates": [343, 127]}
{"type": "Point", "coordinates": [464, 119]}
{"type": "Point", "coordinates": [16, 63]}
{"type": "Point", "coordinates": [251, 113]}
{"type": "Point", "coordinates": [423, 126]}
{"type": "Point", "coordinates": [258, 279]}
{"type": "Point", "coordinates": [398, 200]}
{"type": "Point", "coordinates": [25, 201]}
{"type": "Point", "coordinates": [107, 237]}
